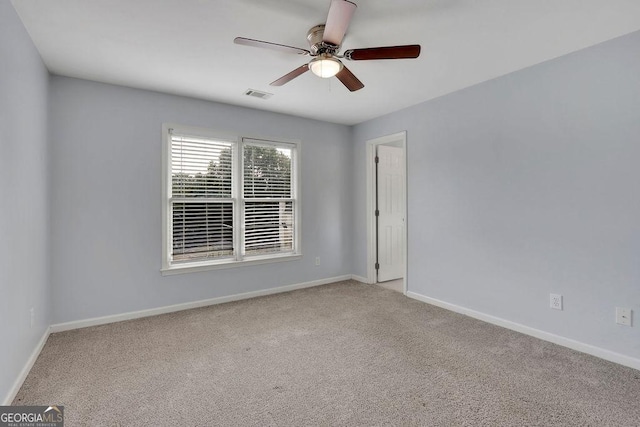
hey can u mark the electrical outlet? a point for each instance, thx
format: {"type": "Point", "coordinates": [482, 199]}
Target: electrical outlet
{"type": "Point", "coordinates": [33, 316]}
{"type": "Point", "coordinates": [623, 316]}
{"type": "Point", "coordinates": [317, 260]}
{"type": "Point", "coordinates": [555, 301]}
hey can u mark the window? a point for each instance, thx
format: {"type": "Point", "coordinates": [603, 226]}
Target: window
{"type": "Point", "coordinates": [229, 200]}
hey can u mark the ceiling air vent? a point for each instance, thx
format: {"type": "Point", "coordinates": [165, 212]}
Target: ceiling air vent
{"type": "Point", "coordinates": [258, 94]}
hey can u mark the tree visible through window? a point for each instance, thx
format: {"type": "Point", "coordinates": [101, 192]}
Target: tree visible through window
{"type": "Point", "coordinates": [224, 210]}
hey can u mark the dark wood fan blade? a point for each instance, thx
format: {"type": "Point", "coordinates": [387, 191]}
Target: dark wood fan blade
{"type": "Point", "coordinates": [349, 80]}
{"type": "Point", "coordinates": [290, 76]}
{"type": "Point", "coordinates": [269, 45]}
{"type": "Point", "coordinates": [389, 52]}
{"type": "Point", "coordinates": [340, 13]}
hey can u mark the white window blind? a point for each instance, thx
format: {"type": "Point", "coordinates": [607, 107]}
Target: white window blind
{"type": "Point", "coordinates": [201, 203]}
{"type": "Point", "coordinates": [268, 202]}
{"type": "Point", "coordinates": [229, 201]}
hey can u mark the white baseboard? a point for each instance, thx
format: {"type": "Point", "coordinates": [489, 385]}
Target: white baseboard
{"type": "Point", "coordinates": [527, 330]}
{"type": "Point", "coordinates": [77, 324]}
{"type": "Point", "coordinates": [359, 278]}
{"type": "Point", "coordinates": [26, 369]}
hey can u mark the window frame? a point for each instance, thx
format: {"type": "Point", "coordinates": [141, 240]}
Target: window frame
{"type": "Point", "coordinates": [237, 199]}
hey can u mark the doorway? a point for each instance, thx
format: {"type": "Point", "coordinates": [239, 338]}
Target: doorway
{"type": "Point", "coordinates": [386, 213]}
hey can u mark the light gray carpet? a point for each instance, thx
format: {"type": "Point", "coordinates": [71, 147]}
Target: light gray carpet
{"type": "Point", "coordinates": [340, 354]}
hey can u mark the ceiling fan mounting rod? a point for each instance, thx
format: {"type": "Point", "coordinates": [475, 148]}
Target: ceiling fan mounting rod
{"type": "Point", "coordinates": [316, 43]}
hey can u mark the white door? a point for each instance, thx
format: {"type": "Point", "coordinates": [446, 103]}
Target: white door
{"type": "Point", "coordinates": [390, 196]}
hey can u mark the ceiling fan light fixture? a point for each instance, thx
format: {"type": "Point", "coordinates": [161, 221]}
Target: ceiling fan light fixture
{"type": "Point", "coordinates": [325, 66]}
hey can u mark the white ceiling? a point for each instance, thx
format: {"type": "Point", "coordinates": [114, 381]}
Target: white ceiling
{"type": "Point", "coordinates": [186, 47]}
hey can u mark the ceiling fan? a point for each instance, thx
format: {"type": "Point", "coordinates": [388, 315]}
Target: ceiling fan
{"type": "Point", "coordinates": [324, 41]}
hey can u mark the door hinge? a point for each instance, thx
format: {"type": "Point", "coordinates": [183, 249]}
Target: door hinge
{"type": "Point", "coordinates": [377, 266]}
{"type": "Point", "coordinates": [377, 160]}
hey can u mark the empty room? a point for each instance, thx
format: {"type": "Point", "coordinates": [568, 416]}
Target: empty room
{"type": "Point", "coordinates": [319, 212]}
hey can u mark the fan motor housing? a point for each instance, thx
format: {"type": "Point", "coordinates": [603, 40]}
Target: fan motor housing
{"type": "Point", "coordinates": [316, 45]}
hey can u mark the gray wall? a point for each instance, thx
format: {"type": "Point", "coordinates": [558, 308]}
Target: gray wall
{"type": "Point", "coordinates": [106, 199]}
{"type": "Point", "coordinates": [24, 213]}
{"type": "Point", "coordinates": [525, 185]}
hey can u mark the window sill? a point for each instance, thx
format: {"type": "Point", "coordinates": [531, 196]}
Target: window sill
{"type": "Point", "coordinates": [219, 265]}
